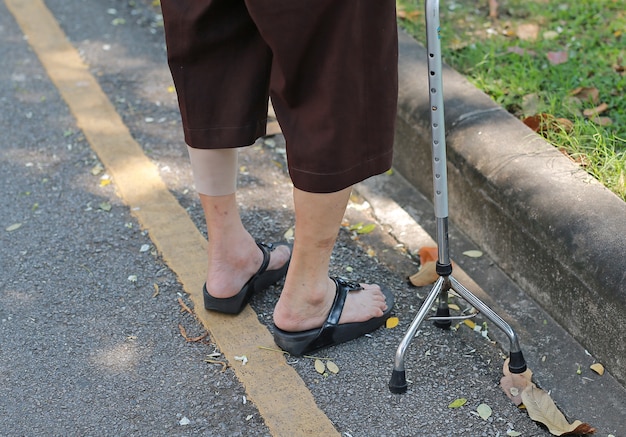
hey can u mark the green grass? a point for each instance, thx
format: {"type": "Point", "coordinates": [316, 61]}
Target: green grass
{"type": "Point", "coordinates": [517, 72]}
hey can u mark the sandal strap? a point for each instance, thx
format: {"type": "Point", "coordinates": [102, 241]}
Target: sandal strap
{"type": "Point", "coordinates": [266, 248]}
{"type": "Point", "coordinates": [343, 287]}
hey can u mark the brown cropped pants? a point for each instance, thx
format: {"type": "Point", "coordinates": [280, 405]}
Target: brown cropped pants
{"type": "Point", "coordinates": [330, 67]}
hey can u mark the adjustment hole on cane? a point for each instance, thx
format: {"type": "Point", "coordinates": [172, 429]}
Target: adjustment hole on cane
{"type": "Point", "coordinates": [435, 125]}
{"type": "Point", "coordinates": [436, 159]}
{"type": "Point", "coordinates": [435, 142]}
{"type": "Point", "coordinates": [437, 176]}
{"type": "Point", "coordinates": [434, 108]}
{"type": "Point", "coordinates": [432, 55]}
{"type": "Point", "coordinates": [433, 90]}
{"type": "Point", "coordinates": [438, 193]}
{"type": "Point", "coordinates": [432, 73]}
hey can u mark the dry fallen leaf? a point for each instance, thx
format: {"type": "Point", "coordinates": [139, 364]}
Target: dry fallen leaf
{"type": "Point", "coordinates": [602, 121]}
{"type": "Point", "coordinates": [596, 111]}
{"type": "Point", "coordinates": [543, 123]}
{"type": "Point", "coordinates": [598, 368]}
{"type": "Point", "coordinates": [97, 169]}
{"type": "Point", "coordinates": [427, 254]}
{"type": "Point", "coordinates": [587, 93]}
{"type": "Point", "coordinates": [332, 367]}
{"type": "Point", "coordinates": [473, 253]}
{"type": "Point", "coordinates": [320, 367]}
{"type": "Point", "coordinates": [13, 227]}
{"type": "Point", "coordinates": [457, 403]}
{"type": "Point", "coordinates": [288, 235]}
{"type": "Point", "coordinates": [541, 408]}
{"type": "Point", "coordinates": [392, 322]}
{"type": "Point", "coordinates": [469, 323]}
{"type": "Point", "coordinates": [557, 58]}
{"type": "Point", "coordinates": [527, 31]}
{"type": "Point", "coordinates": [538, 122]}
{"type": "Point", "coordinates": [426, 275]}
{"type": "Point", "coordinates": [520, 51]}
{"type": "Point", "coordinates": [514, 383]}
{"type": "Point", "coordinates": [367, 229]}
{"type": "Point", "coordinates": [484, 411]}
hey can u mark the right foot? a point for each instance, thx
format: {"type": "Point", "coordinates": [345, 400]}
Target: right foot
{"type": "Point", "coordinates": [229, 272]}
{"type": "Point", "coordinates": [302, 308]}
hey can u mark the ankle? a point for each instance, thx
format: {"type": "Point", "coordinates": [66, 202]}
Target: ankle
{"type": "Point", "coordinates": [304, 304]}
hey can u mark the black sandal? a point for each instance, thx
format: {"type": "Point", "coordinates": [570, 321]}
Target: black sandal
{"type": "Point", "coordinates": [332, 333]}
{"type": "Point", "coordinates": [262, 279]}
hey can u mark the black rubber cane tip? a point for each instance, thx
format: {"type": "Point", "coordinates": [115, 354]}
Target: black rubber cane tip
{"type": "Point", "coordinates": [517, 363]}
{"type": "Point", "coordinates": [442, 312]}
{"type": "Point", "coordinates": [397, 383]}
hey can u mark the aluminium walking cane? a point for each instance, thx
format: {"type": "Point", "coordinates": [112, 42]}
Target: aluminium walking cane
{"type": "Point", "coordinates": [446, 281]}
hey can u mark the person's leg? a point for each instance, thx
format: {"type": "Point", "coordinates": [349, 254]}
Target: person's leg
{"type": "Point", "coordinates": [337, 109]}
{"type": "Point", "coordinates": [308, 292]}
{"type": "Point", "coordinates": [220, 66]}
{"type": "Point", "coordinates": [232, 252]}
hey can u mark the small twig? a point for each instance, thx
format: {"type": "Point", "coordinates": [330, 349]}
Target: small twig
{"type": "Point", "coordinates": [183, 332]}
{"type": "Point", "coordinates": [274, 350]}
{"type": "Point", "coordinates": [222, 363]}
{"type": "Point", "coordinates": [317, 358]}
{"type": "Point", "coordinates": [184, 307]}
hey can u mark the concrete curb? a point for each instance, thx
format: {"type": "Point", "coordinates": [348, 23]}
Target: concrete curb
{"type": "Point", "coordinates": [552, 228]}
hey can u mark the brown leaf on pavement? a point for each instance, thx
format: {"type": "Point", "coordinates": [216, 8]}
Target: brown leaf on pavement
{"type": "Point", "coordinates": [539, 405]}
{"type": "Point", "coordinates": [513, 384]}
{"type": "Point", "coordinates": [426, 275]}
{"type": "Point", "coordinates": [428, 253]}
{"type": "Point", "coordinates": [541, 408]}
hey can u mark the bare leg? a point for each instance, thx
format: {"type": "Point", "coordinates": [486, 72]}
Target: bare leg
{"type": "Point", "coordinates": [233, 254]}
{"type": "Point", "coordinates": [308, 292]}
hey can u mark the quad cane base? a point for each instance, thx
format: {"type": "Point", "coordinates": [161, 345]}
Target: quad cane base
{"type": "Point", "coordinates": [445, 282]}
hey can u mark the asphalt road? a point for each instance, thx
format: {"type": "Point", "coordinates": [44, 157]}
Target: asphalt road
{"type": "Point", "coordinates": [92, 300]}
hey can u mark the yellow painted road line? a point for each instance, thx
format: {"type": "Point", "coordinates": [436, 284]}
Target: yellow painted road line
{"type": "Point", "coordinates": [283, 400]}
